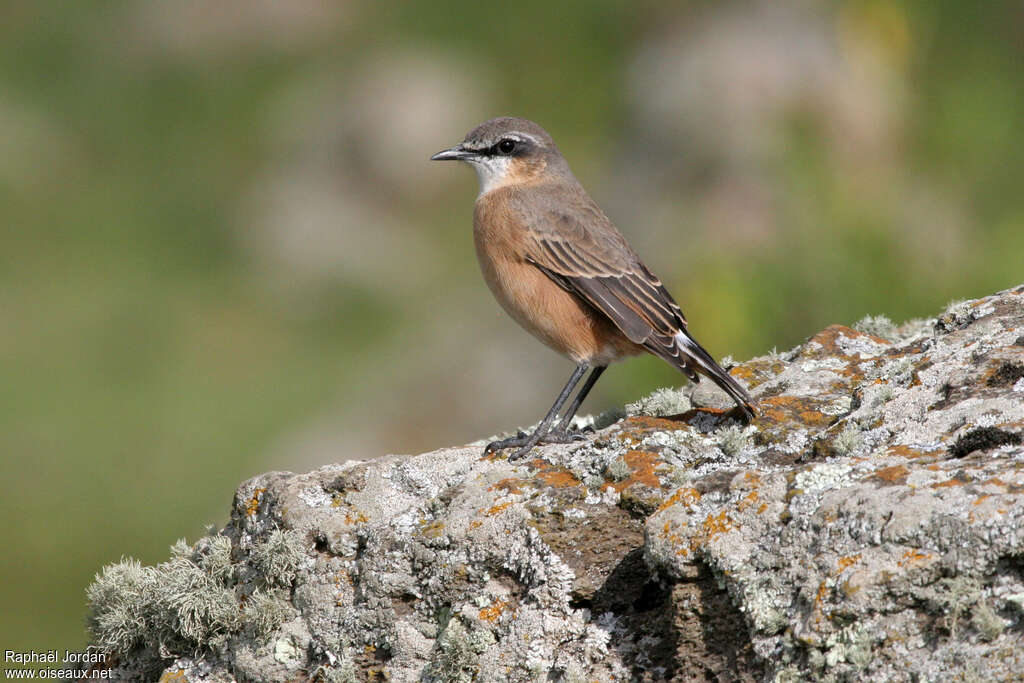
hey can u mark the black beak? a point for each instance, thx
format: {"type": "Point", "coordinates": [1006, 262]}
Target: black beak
{"type": "Point", "coordinates": [456, 153]}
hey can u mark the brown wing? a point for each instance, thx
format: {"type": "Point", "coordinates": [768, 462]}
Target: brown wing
{"type": "Point", "coordinates": [571, 241]}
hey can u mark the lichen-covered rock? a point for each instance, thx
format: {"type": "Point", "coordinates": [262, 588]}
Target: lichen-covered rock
{"type": "Point", "coordinates": [868, 525]}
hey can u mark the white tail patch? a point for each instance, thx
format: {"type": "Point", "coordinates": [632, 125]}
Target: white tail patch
{"type": "Point", "coordinates": [695, 352]}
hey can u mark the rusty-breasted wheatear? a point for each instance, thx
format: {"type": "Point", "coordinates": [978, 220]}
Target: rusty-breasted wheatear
{"type": "Point", "coordinates": [560, 268]}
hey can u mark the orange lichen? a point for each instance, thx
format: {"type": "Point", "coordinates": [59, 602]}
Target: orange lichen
{"type": "Point", "coordinates": [717, 524]}
{"type": "Point", "coordinates": [896, 474]}
{"type": "Point", "coordinates": [646, 422]}
{"type": "Point", "coordinates": [643, 466]}
{"type": "Point", "coordinates": [475, 524]}
{"type": "Point", "coordinates": [754, 372]}
{"type": "Point", "coordinates": [558, 478]}
{"type": "Point", "coordinates": [794, 408]}
{"type": "Point", "coordinates": [848, 561]}
{"type": "Point", "coordinates": [747, 501]}
{"type": "Point", "coordinates": [432, 529]}
{"type": "Point", "coordinates": [497, 508]}
{"type": "Point", "coordinates": [829, 340]}
{"type": "Point", "coordinates": [491, 614]}
{"type": "Point", "coordinates": [359, 518]}
{"type": "Point", "coordinates": [254, 503]}
{"type": "Point", "coordinates": [955, 481]}
{"type": "Point", "coordinates": [687, 496]}
{"type": "Point", "coordinates": [903, 451]}
{"type": "Point", "coordinates": [912, 556]}
{"type": "Point", "coordinates": [170, 676]}
{"type": "Point", "coordinates": [509, 485]}
{"type": "Point", "coordinates": [822, 588]}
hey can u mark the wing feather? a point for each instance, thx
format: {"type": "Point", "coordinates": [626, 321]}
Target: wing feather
{"type": "Point", "coordinates": [572, 242]}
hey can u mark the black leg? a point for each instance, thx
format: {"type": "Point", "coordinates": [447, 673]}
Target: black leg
{"type": "Point", "coordinates": [527, 442]}
{"type": "Point", "coordinates": [563, 426]}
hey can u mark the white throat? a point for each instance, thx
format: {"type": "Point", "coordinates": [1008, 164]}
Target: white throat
{"type": "Point", "coordinates": [492, 172]}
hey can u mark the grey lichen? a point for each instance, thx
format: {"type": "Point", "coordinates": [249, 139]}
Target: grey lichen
{"type": "Point", "coordinates": [456, 656]}
{"type": "Point", "coordinates": [343, 671]}
{"type": "Point", "coordinates": [986, 622]}
{"type": "Point", "coordinates": [663, 402]}
{"type": "Point", "coordinates": [213, 555]}
{"type": "Point", "coordinates": [877, 325]}
{"type": "Point", "coordinates": [176, 607]}
{"type": "Point", "coordinates": [618, 470]}
{"type": "Point", "coordinates": [265, 611]}
{"type": "Point", "coordinates": [189, 605]}
{"type": "Point", "coordinates": [848, 440]}
{"type": "Point", "coordinates": [732, 440]}
{"type": "Point", "coordinates": [949, 598]}
{"type": "Point", "coordinates": [277, 559]}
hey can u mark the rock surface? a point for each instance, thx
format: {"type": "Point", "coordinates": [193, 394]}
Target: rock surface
{"type": "Point", "coordinates": [869, 525]}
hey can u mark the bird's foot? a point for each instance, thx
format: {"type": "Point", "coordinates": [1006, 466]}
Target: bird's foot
{"type": "Point", "coordinates": [518, 440]}
{"type": "Point", "coordinates": [525, 442]}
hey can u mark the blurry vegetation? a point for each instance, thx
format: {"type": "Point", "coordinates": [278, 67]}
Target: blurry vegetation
{"type": "Point", "coordinates": [222, 248]}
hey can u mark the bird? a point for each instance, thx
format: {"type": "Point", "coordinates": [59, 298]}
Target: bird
{"type": "Point", "coordinates": [562, 270]}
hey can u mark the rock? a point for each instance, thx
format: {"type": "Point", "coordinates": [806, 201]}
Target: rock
{"type": "Point", "coordinates": [868, 525]}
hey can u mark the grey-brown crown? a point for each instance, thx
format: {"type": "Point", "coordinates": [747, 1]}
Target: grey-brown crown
{"type": "Point", "coordinates": [491, 147]}
{"type": "Point", "coordinates": [491, 133]}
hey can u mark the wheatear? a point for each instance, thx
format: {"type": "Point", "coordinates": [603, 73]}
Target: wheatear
{"type": "Point", "coordinates": [560, 268]}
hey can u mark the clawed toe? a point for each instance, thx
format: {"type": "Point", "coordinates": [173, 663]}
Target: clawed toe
{"type": "Point", "coordinates": [519, 439]}
{"type": "Point", "coordinates": [525, 442]}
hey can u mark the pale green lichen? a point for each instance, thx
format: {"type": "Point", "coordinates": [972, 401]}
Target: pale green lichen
{"type": "Point", "coordinates": [732, 440]}
{"type": "Point", "coordinates": [949, 598]}
{"type": "Point", "coordinates": [914, 327]}
{"type": "Point", "coordinates": [213, 555]}
{"type": "Point", "coordinates": [265, 611]}
{"type": "Point", "coordinates": [679, 476]}
{"type": "Point", "coordinates": [278, 558]}
{"type": "Point", "coordinates": [666, 401]}
{"type": "Point", "coordinates": [618, 470]}
{"type": "Point", "coordinates": [850, 645]}
{"type": "Point", "coordinates": [986, 622]}
{"type": "Point", "coordinates": [456, 656]}
{"type": "Point", "coordinates": [188, 605]}
{"type": "Point", "coordinates": [877, 325]}
{"type": "Point", "coordinates": [343, 671]}
{"type": "Point", "coordinates": [848, 440]}
{"type": "Point", "coordinates": [173, 608]}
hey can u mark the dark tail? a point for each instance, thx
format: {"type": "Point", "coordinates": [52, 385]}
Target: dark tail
{"type": "Point", "coordinates": [695, 357]}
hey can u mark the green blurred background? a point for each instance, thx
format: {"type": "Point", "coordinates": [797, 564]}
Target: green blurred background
{"type": "Point", "coordinates": [223, 249]}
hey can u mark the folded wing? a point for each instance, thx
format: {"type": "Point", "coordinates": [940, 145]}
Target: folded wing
{"type": "Point", "coordinates": [575, 244]}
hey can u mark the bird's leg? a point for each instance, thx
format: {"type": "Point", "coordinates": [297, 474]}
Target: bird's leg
{"type": "Point", "coordinates": [524, 442]}
{"type": "Point", "coordinates": [563, 427]}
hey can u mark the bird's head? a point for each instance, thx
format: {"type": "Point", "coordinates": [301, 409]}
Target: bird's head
{"type": "Point", "coordinates": [507, 151]}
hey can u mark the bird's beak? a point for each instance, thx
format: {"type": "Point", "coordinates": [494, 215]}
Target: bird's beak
{"type": "Point", "coordinates": [456, 153]}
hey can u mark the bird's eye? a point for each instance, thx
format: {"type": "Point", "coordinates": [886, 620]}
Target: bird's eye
{"type": "Point", "coordinates": [507, 146]}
